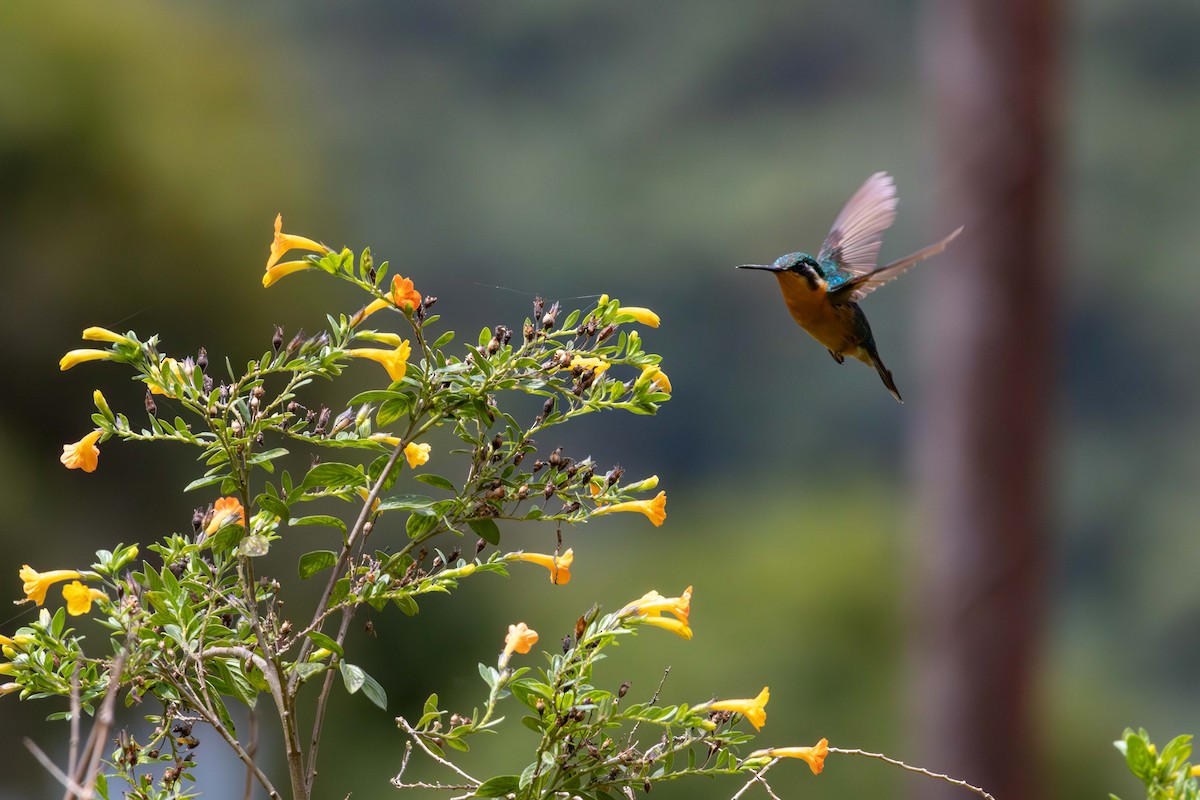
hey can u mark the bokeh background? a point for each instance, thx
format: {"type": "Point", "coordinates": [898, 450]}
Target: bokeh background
{"type": "Point", "coordinates": [494, 151]}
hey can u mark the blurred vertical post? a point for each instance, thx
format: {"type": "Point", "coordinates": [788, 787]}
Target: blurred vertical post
{"type": "Point", "coordinates": [988, 342]}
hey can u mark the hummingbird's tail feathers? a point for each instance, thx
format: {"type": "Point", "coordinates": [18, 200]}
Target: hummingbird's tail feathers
{"type": "Point", "coordinates": [863, 285]}
{"type": "Point", "coordinates": [886, 375]}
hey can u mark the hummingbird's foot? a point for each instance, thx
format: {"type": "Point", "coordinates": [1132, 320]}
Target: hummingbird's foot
{"type": "Point", "coordinates": [838, 357]}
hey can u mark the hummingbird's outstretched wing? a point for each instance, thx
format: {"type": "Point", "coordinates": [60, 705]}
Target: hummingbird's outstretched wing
{"type": "Point", "coordinates": [853, 242]}
{"type": "Point", "coordinates": [860, 286]}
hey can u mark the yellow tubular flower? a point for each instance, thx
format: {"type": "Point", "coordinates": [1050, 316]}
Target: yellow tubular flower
{"type": "Point", "coordinates": [283, 242]}
{"type": "Point", "coordinates": [655, 510]}
{"type": "Point", "coordinates": [8, 668]}
{"type": "Point", "coordinates": [653, 373]}
{"type": "Point", "coordinates": [753, 709]}
{"type": "Point", "coordinates": [402, 295]}
{"type": "Point", "coordinates": [642, 315]}
{"type": "Point", "coordinates": [560, 567]}
{"type": "Point", "coordinates": [394, 361]}
{"type": "Point", "coordinates": [815, 755]}
{"type": "Point", "coordinates": [36, 583]}
{"type": "Point", "coordinates": [96, 334]}
{"type": "Point", "coordinates": [384, 438]}
{"type": "Point", "coordinates": [653, 604]}
{"type": "Point", "coordinates": [282, 270]}
{"type": "Point", "coordinates": [676, 626]}
{"type": "Point", "coordinates": [84, 454]}
{"type": "Point", "coordinates": [79, 598]}
{"type": "Point", "coordinates": [9, 688]}
{"type": "Point", "coordinates": [416, 454]}
{"type": "Point", "coordinates": [79, 356]}
{"type": "Point", "coordinates": [520, 639]}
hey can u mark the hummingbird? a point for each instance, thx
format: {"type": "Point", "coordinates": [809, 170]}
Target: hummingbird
{"type": "Point", "coordinates": [822, 293]}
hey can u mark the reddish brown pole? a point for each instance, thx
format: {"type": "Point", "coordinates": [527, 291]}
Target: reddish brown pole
{"type": "Point", "coordinates": [988, 342]}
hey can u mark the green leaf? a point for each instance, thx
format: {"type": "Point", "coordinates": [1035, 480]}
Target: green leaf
{"type": "Point", "coordinates": [374, 691]}
{"type": "Point", "coordinates": [353, 677]}
{"type": "Point", "coordinates": [1138, 757]}
{"type": "Point", "coordinates": [314, 562]}
{"type": "Point", "coordinates": [485, 336]}
{"type": "Point", "coordinates": [200, 483]}
{"type": "Point", "coordinates": [321, 640]}
{"type": "Point", "coordinates": [498, 786]}
{"type": "Point", "coordinates": [437, 481]}
{"type": "Point", "coordinates": [486, 529]}
{"type": "Point", "coordinates": [334, 475]}
{"type": "Point", "coordinates": [318, 519]}
{"type": "Point", "coordinates": [443, 340]}
{"type": "Point", "coordinates": [394, 409]}
{"type": "Point", "coordinates": [420, 524]}
{"type": "Point", "coordinates": [254, 546]}
{"type": "Point", "coordinates": [406, 502]}
{"type": "Point", "coordinates": [273, 505]}
{"type": "Point", "coordinates": [374, 396]}
{"type": "Point", "coordinates": [224, 540]}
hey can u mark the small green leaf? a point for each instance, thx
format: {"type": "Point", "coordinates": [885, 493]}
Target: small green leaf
{"type": "Point", "coordinates": [335, 476]}
{"type": "Point", "coordinates": [353, 677]}
{"type": "Point", "coordinates": [200, 483]}
{"type": "Point", "coordinates": [486, 530]}
{"type": "Point", "coordinates": [321, 640]}
{"type": "Point", "coordinates": [437, 481]}
{"type": "Point", "coordinates": [318, 519]}
{"type": "Point", "coordinates": [254, 546]}
{"type": "Point", "coordinates": [272, 504]}
{"type": "Point", "coordinates": [406, 502]}
{"type": "Point", "coordinates": [394, 409]}
{"type": "Point", "coordinates": [443, 340]}
{"type": "Point", "coordinates": [420, 524]}
{"type": "Point", "coordinates": [374, 691]}
{"type": "Point", "coordinates": [485, 336]}
{"type": "Point", "coordinates": [316, 561]}
{"type": "Point", "coordinates": [498, 786]}
{"type": "Point", "coordinates": [224, 540]}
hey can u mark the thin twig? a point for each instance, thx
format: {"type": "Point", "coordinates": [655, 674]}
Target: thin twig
{"type": "Point", "coordinates": [416, 737]}
{"type": "Point", "coordinates": [76, 712]}
{"type": "Point", "coordinates": [754, 778]}
{"type": "Point", "coordinates": [919, 770]}
{"type": "Point", "coordinates": [251, 751]}
{"type": "Point", "coordinates": [653, 699]}
{"type": "Point", "coordinates": [73, 789]}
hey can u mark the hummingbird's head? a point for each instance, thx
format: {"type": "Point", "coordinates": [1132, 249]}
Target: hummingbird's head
{"type": "Point", "coordinates": [802, 264]}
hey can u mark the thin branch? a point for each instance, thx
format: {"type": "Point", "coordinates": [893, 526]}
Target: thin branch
{"type": "Point", "coordinates": [416, 737]}
{"type": "Point", "coordinates": [919, 770]}
{"type": "Point", "coordinates": [76, 711]}
{"type": "Point", "coordinates": [212, 719]}
{"type": "Point", "coordinates": [251, 751]}
{"type": "Point", "coordinates": [73, 789]}
{"type": "Point", "coordinates": [89, 765]}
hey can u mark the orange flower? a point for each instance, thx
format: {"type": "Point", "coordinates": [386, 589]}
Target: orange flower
{"type": "Point", "coordinates": [402, 295]}
{"type": "Point", "coordinates": [226, 511]}
{"type": "Point", "coordinates": [520, 639]}
{"type": "Point", "coordinates": [559, 566]}
{"type": "Point", "coordinates": [753, 709]}
{"type": "Point", "coordinates": [416, 454]}
{"type": "Point", "coordinates": [394, 361]}
{"type": "Point", "coordinates": [79, 356]}
{"type": "Point", "coordinates": [79, 598]}
{"type": "Point", "coordinates": [815, 755]}
{"type": "Point", "coordinates": [655, 509]}
{"type": "Point", "coordinates": [283, 242]}
{"type": "Point", "coordinates": [36, 583]}
{"type": "Point", "coordinates": [84, 454]}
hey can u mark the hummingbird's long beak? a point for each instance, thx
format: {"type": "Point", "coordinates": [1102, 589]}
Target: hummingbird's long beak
{"type": "Point", "coordinates": [767, 267]}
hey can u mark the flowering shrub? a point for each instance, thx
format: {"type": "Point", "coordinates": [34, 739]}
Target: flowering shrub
{"type": "Point", "coordinates": [195, 629]}
{"type": "Point", "coordinates": [1167, 775]}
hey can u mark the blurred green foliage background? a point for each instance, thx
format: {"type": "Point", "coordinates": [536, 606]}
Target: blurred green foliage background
{"type": "Point", "coordinates": [494, 151]}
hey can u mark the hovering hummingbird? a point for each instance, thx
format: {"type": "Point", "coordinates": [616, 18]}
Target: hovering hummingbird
{"type": "Point", "coordinates": [822, 293]}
